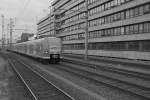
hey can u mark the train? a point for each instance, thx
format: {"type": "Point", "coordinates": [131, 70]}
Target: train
{"type": "Point", "coordinates": [44, 49]}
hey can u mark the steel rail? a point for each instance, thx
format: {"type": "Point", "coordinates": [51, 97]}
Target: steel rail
{"type": "Point", "coordinates": [81, 73]}
{"type": "Point", "coordinates": [13, 66]}
{"type": "Point", "coordinates": [46, 80]}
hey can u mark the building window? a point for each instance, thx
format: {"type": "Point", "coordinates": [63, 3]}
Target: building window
{"type": "Point", "coordinates": [127, 29]}
{"type": "Point", "coordinates": [146, 8]}
{"type": "Point", "coordinates": [145, 45]}
{"type": "Point", "coordinates": [127, 14]}
{"type": "Point", "coordinates": [131, 13]}
{"type": "Point", "coordinates": [136, 28]}
{"type": "Point", "coordinates": [133, 46]}
{"type": "Point", "coordinates": [141, 27]}
{"type": "Point", "coordinates": [131, 29]}
{"type": "Point", "coordinates": [136, 11]}
{"type": "Point", "coordinates": [122, 30]}
{"type": "Point", "coordinates": [141, 10]}
{"type": "Point", "coordinates": [146, 27]}
{"type": "Point", "coordinates": [122, 14]}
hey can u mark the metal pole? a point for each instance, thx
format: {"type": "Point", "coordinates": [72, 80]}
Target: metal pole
{"type": "Point", "coordinates": [7, 34]}
{"type": "Point", "coordinates": [55, 28]}
{"type": "Point", "coordinates": [86, 32]}
{"type": "Point", "coordinates": [3, 41]}
{"type": "Point", "coordinates": [11, 23]}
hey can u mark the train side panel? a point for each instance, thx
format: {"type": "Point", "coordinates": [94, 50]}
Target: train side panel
{"type": "Point", "coordinates": [46, 48]}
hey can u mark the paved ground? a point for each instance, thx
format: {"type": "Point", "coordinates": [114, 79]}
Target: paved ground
{"type": "Point", "coordinates": [4, 80]}
{"type": "Point", "coordinates": [10, 86]}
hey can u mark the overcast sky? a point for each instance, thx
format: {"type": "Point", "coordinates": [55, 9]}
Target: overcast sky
{"type": "Point", "coordinates": [26, 12]}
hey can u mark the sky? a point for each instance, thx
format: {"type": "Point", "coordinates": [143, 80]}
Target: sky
{"type": "Point", "coordinates": [26, 12]}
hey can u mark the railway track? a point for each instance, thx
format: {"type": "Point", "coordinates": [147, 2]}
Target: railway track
{"type": "Point", "coordinates": [127, 81]}
{"type": "Point", "coordinates": [133, 83]}
{"type": "Point", "coordinates": [39, 87]}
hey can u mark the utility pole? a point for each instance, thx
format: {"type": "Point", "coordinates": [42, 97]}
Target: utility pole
{"type": "Point", "coordinates": [55, 28]}
{"type": "Point", "coordinates": [86, 31]}
{"type": "Point", "coordinates": [8, 33]}
{"type": "Point", "coordinates": [3, 40]}
{"type": "Point", "coordinates": [11, 26]}
{"type": "Point", "coordinates": [36, 27]}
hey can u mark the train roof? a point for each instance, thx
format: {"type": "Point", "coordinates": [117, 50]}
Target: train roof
{"type": "Point", "coordinates": [36, 40]}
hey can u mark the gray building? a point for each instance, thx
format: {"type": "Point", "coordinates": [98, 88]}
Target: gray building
{"type": "Point", "coordinates": [117, 28]}
{"type": "Point", "coordinates": [45, 26]}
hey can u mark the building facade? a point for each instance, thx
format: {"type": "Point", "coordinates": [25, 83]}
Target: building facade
{"type": "Point", "coordinates": [116, 28]}
{"type": "Point", "coordinates": [45, 26]}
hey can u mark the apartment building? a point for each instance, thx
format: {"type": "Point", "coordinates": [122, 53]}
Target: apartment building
{"type": "Point", "coordinates": [116, 28]}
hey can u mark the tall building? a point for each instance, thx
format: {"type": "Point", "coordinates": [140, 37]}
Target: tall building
{"type": "Point", "coordinates": [46, 26]}
{"type": "Point", "coordinates": [70, 23]}
{"type": "Point", "coordinates": [116, 28]}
